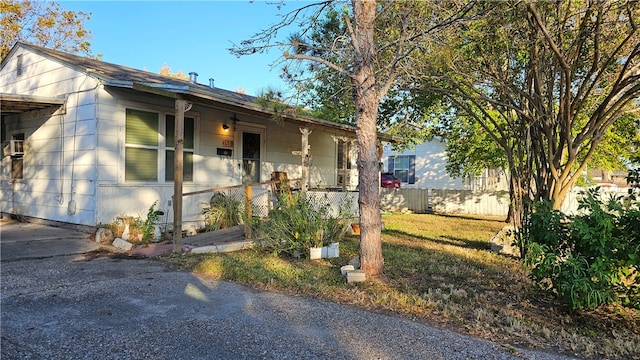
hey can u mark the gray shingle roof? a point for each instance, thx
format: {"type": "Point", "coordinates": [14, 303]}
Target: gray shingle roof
{"type": "Point", "coordinates": [123, 76]}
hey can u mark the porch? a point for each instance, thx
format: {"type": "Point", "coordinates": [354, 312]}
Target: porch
{"type": "Point", "coordinates": [255, 199]}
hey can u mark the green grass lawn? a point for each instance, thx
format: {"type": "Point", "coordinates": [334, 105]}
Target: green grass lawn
{"type": "Point", "coordinates": [438, 270]}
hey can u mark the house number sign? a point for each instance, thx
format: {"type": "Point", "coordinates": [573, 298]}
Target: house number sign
{"type": "Point", "coordinates": [227, 143]}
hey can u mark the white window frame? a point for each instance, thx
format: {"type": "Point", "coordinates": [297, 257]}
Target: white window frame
{"type": "Point", "coordinates": [410, 169]}
{"type": "Point", "coordinates": [17, 162]}
{"type": "Point", "coordinates": [162, 147]}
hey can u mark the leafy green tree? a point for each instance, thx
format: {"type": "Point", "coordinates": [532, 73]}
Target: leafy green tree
{"type": "Point", "coordinates": [616, 149]}
{"type": "Point", "coordinates": [372, 67]}
{"type": "Point", "coordinates": [470, 149]}
{"type": "Point", "coordinates": [502, 80]}
{"type": "Point", "coordinates": [42, 23]}
{"type": "Point", "coordinates": [546, 81]}
{"type": "Point", "coordinates": [327, 92]}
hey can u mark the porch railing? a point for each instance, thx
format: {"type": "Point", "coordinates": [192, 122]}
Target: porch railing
{"type": "Point", "coordinates": [259, 198]}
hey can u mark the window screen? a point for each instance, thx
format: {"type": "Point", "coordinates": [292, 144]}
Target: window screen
{"type": "Point", "coordinates": [142, 128]}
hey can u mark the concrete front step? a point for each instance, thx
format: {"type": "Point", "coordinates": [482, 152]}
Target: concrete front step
{"type": "Point", "coordinates": [223, 240]}
{"type": "Point", "coordinates": [220, 248]}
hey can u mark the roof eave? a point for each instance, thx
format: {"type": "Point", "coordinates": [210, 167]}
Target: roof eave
{"type": "Point", "coordinates": [176, 92]}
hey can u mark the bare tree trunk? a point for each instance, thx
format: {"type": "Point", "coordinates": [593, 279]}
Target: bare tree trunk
{"type": "Point", "coordinates": [519, 188]}
{"type": "Point", "coordinates": [517, 202]}
{"type": "Point", "coordinates": [510, 214]}
{"type": "Point", "coordinates": [366, 103]}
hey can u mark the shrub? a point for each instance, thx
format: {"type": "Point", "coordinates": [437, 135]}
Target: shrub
{"type": "Point", "coordinates": [141, 230]}
{"type": "Point", "coordinates": [296, 224]}
{"type": "Point", "coordinates": [148, 225]}
{"type": "Point", "coordinates": [221, 212]}
{"type": "Point", "coordinates": [587, 260]}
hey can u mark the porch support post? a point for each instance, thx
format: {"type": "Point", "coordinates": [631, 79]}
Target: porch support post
{"type": "Point", "coordinates": [248, 208]}
{"type": "Point", "coordinates": [181, 106]}
{"type": "Point", "coordinates": [380, 148]}
{"type": "Point", "coordinates": [305, 157]}
{"type": "Point", "coordinates": [345, 166]}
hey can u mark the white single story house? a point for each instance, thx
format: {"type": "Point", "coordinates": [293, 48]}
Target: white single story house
{"type": "Point", "coordinates": [85, 141]}
{"type": "Point", "coordinates": [424, 167]}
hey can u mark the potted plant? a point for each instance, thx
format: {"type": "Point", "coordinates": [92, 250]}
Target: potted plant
{"type": "Point", "coordinates": [315, 245]}
{"type": "Point", "coordinates": [333, 230]}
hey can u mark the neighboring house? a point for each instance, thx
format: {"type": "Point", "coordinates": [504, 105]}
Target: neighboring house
{"type": "Point", "coordinates": [609, 178]}
{"type": "Point", "coordinates": [424, 167]}
{"type": "Point", "coordinates": [88, 141]}
{"type": "Point", "coordinates": [489, 180]}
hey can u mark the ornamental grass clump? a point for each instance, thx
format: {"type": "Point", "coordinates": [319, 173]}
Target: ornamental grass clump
{"type": "Point", "coordinates": [221, 212]}
{"type": "Point", "coordinates": [296, 224]}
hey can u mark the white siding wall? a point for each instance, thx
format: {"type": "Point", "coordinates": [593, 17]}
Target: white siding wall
{"type": "Point", "coordinates": [134, 200]}
{"type": "Point", "coordinates": [282, 140]}
{"type": "Point", "coordinates": [324, 159]}
{"type": "Point", "coordinates": [119, 198]}
{"type": "Point", "coordinates": [108, 147]}
{"type": "Point", "coordinates": [431, 161]}
{"type": "Point", "coordinates": [60, 143]}
{"type": "Point", "coordinates": [211, 169]}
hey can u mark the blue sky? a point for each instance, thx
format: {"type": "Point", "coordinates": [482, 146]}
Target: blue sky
{"type": "Point", "coordinates": [188, 36]}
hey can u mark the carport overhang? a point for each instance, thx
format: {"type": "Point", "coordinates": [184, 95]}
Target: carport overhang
{"type": "Point", "coordinates": [15, 104]}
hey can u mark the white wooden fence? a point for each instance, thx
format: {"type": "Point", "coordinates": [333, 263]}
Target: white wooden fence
{"type": "Point", "coordinates": [468, 202]}
{"type": "Point", "coordinates": [453, 202]}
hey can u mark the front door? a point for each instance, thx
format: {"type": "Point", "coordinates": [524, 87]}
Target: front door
{"type": "Point", "coordinates": [251, 153]}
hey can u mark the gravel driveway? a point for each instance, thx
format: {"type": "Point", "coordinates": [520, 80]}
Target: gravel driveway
{"type": "Point", "coordinates": [66, 307]}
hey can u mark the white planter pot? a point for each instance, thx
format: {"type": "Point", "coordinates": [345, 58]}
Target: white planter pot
{"type": "Point", "coordinates": [325, 252]}
{"type": "Point", "coordinates": [333, 250]}
{"type": "Point", "coordinates": [315, 253]}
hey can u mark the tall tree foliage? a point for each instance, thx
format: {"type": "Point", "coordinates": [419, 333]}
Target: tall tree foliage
{"type": "Point", "coordinates": [616, 148]}
{"type": "Point", "coordinates": [546, 81]}
{"type": "Point", "coordinates": [165, 70]}
{"type": "Point", "coordinates": [470, 149]}
{"type": "Point", "coordinates": [42, 23]}
{"type": "Point", "coordinates": [370, 66]}
{"type": "Point", "coordinates": [328, 92]}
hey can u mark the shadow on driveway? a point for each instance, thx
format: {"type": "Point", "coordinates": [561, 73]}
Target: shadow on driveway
{"type": "Point", "coordinates": [23, 240]}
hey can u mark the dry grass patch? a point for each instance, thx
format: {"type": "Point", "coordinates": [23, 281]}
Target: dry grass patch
{"type": "Point", "coordinates": [438, 270]}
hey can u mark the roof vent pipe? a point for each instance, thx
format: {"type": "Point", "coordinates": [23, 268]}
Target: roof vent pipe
{"type": "Point", "coordinates": [211, 83]}
{"type": "Point", "coordinates": [193, 77]}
